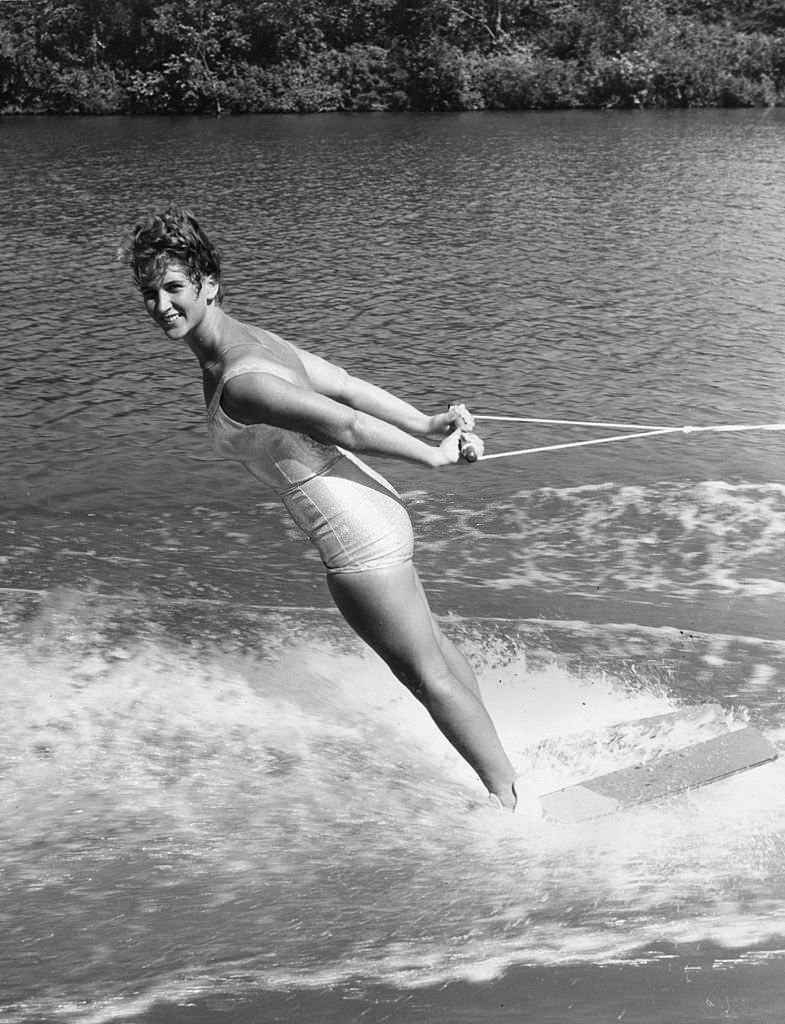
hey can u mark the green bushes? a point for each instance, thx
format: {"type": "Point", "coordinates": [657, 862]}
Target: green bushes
{"type": "Point", "coordinates": [438, 77]}
{"type": "Point", "coordinates": [695, 65]}
{"type": "Point", "coordinates": [520, 80]}
{"type": "Point", "coordinates": [227, 56]}
{"type": "Point", "coordinates": [85, 90]}
{"type": "Point", "coordinates": [362, 77]}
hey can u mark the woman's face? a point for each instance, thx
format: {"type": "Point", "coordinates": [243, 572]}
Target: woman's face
{"type": "Point", "coordinates": [176, 303]}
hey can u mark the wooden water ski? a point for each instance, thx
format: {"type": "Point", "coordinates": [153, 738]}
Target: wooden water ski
{"type": "Point", "coordinates": [665, 775]}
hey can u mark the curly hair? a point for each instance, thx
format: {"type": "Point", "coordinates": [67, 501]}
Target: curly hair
{"type": "Point", "coordinates": [174, 235]}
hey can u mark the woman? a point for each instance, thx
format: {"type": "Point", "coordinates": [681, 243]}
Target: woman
{"type": "Point", "coordinates": [295, 420]}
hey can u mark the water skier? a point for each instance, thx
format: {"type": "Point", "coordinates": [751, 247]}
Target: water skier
{"type": "Point", "coordinates": [296, 421]}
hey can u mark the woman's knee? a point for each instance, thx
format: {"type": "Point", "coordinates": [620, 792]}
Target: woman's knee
{"type": "Point", "coordinates": [432, 685]}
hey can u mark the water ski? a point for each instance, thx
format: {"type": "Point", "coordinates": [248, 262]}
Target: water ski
{"type": "Point", "coordinates": [666, 774]}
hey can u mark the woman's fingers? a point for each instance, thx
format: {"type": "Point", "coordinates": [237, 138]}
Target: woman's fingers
{"type": "Point", "coordinates": [462, 445]}
{"type": "Point", "coordinates": [470, 446]}
{"type": "Point", "coordinates": [460, 416]}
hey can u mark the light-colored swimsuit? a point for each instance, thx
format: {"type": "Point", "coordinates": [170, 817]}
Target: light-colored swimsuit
{"type": "Point", "coordinates": [353, 516]}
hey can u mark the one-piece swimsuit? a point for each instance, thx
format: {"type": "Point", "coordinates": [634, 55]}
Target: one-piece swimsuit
{"type": "Point", "coordinates": [352, 515]}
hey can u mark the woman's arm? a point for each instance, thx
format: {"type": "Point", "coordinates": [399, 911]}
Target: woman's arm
{"type": "Point", "coordinates": [333, 381]}
{"type": "Point", "coordinates": [266, 398]}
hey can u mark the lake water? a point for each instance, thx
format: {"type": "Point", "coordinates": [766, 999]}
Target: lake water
{"type": "Point", "coordinates": [217, 806]}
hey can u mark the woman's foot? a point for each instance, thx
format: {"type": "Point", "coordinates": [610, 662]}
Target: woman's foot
{"type": "Point", "coordinates": [521, 799]}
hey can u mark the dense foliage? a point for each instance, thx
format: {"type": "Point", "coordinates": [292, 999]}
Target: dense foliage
{"type": "Point", "coordinates": [150, 56]}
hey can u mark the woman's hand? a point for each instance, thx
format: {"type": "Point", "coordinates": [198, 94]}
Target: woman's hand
{"type": "Point", "coordinates": [461, 444]}
{"type": "Point", "coordinates": [457, 416]}
{"type": "Point", "coordinates": [471, 446]}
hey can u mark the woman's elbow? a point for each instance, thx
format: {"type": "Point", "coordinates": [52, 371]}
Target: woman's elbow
{"type": "Point", "coordinates": [347, 433]}
{"type": "Point", "coordinates": [339, 386]}
{"type": "Point", "coordinates": [352, 435]}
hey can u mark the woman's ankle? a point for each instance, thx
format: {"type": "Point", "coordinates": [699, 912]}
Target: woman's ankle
{"type": "Point", "coordinates": [520, 798]}
{"type": "Point", "coordinates": [504, 797]}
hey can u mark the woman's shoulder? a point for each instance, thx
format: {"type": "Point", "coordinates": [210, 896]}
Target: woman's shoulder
{"type": "Point", "coordinates": [269, 340]}
{"type": "Point", "coordinates": [246, 350]}
{"type": "Point", "coordinates": [253, 349]}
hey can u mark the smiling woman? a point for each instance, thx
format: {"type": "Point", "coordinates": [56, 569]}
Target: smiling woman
{"type": "Point", "coordinates": [176, 302]}
{"type": "Point", "coordinates": [295, 421]}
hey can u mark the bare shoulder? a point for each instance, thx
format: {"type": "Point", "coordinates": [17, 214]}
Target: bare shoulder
{"type": "Point", "coordinates": [260, 336]}
{"type": "Point", "coordinates": [308, 367]}
{"type": "Point", "coordinates": [247, 347]}
{"type": "Point", "coordinates": [250, 352]}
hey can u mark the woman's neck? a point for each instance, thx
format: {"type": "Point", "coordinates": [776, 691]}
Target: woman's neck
{"type": "Point", "coordinates": [207, 340]}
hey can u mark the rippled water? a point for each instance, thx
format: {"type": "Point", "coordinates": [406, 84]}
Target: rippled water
{"type": "Point", "coordinates": [217, 803]}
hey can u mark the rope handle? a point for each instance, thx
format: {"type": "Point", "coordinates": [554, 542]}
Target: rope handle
{"type": "Point", "coordinates": [467, 449]}
{"type": "Point", "coordinates": [465, 421]}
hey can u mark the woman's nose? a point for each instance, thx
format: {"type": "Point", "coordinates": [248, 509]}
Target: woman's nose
{"type": "Point", "coordinates": [162, 303]}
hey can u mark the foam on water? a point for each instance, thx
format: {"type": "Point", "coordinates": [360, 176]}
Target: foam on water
{"type": "Point", "coordinates": [199, 806]}
{"type": "Point", "coordinates": [664, 541]}
{"type": "Point", "coordinates": [677, 539]}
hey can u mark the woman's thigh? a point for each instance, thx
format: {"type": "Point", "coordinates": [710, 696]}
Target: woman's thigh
{"type": "Point", "coordinates": [388, 609]}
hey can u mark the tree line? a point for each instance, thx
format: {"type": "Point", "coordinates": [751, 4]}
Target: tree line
{"type": "Point", "coordinates": [248, 56]}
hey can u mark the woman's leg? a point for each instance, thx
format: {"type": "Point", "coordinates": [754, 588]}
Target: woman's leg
{"type": "Point", "coordinates": [459, 666]}
{"type": "Point", "coordinates": [389, 610]}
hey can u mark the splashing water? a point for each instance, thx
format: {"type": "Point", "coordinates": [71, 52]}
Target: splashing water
{"type": "Point", "coordinates": [189, 815]}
